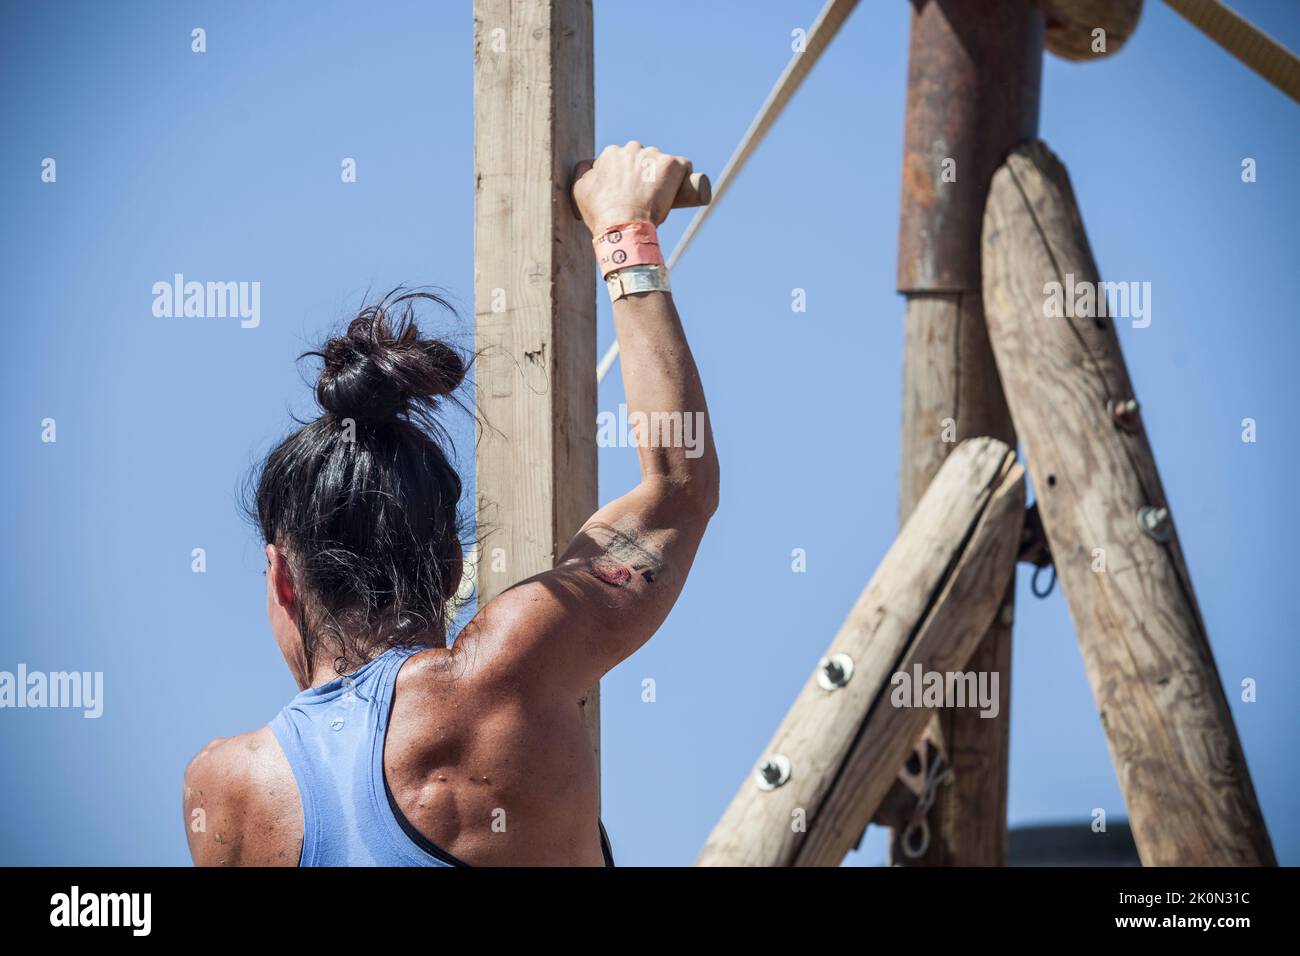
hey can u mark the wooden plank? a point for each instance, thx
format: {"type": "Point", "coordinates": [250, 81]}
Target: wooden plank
{"type": "Point", "coordinates": [534, 289]}
{"type": "Point", "coordinates": [929, 602]}
{"type": "Point", "coordinates": [1175, 748]}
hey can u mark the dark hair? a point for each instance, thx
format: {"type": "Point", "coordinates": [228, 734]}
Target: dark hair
{"type": "Point", "coordinates": [363, 500]}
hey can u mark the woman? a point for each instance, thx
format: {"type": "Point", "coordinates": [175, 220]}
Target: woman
{"type": "Point", "coordinates": [401, 750]}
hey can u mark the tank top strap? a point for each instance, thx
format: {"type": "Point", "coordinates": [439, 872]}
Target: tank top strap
{"type": "Point", "coordinates": [333, 738]}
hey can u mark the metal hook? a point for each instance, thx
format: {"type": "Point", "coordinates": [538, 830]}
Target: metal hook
{"type": "Point", "coordinates": [923, 828]}
{"type": "Point", "coordinates": [1033, 582]}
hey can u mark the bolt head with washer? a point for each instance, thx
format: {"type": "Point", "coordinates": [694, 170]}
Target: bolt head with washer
{"type": "Point", "coordinates": [834, 672]}
{"type": "Point", "coordinates": [772, 772]}
{"type": "Point", "coordinates": [1155, 523]}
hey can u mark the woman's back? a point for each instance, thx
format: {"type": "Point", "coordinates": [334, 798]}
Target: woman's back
{"type": "Point", "coordinates": [466, 774]}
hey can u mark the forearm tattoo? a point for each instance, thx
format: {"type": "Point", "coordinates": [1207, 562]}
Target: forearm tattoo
{"type": "Point", "coordinates": [624, 553]}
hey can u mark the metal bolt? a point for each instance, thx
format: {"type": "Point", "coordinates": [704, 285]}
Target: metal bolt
{"type": "Point", "coordinates": [773, 772]}
{"type": "Point", "coordinates": [1125, 413]}
{"type": "Point", "coordinates": [834, 672]}
{"type": "Point", "coordinates": [1155, 523]}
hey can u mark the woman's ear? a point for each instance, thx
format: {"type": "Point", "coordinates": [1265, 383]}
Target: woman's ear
{"type": "Point", "coordinates": [280, 580]}
{"type": "Point", "coordinates": [282, 611]}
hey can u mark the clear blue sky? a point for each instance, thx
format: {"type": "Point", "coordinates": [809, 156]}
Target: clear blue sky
{"type": "Point", "coordinates": [225, 166]}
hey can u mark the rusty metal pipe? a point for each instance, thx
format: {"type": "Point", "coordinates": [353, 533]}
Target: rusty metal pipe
{"type": "Point", "coordinates": [973, 80]}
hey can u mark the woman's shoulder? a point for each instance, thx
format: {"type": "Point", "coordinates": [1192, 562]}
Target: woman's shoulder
{"type": "Point", "coordinates": [239, 800]}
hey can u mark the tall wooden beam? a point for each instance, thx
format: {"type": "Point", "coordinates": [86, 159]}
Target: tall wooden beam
{"type": "Point", "coordinates": [837, 751]}
{"type": "Point", "coordinates": [973, 88]}
{"type": "Point", "coordinates": [534, 289]}
{"type": "Point", "coordinates": [1175, 748]}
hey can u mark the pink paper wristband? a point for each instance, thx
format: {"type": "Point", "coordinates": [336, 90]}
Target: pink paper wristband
{"type": "Point", "coordinates": [628, 244]}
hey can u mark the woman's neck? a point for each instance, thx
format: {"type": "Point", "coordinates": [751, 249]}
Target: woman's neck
{"type": "Point", "coordinates": [330, 663]}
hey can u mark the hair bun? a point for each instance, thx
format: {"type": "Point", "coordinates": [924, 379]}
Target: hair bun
{"type": "Point", "coordinates": [380, 370]}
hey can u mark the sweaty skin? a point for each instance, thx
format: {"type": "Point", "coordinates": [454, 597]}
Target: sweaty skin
{"type": "Point", "coordinates": [494, 724]}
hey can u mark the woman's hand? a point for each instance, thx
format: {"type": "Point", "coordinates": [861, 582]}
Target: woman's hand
{"type": "Point", "coordinates": [626, 184]}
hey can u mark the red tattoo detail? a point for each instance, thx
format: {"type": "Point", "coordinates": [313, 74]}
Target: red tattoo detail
{"type": "Point", "coordinates": [611, 572]}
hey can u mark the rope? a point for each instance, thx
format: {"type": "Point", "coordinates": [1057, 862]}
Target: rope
{"type": "Point", "coordinates": [820, 34]}
{"type": "Point", "coordinates": [1247, 42]}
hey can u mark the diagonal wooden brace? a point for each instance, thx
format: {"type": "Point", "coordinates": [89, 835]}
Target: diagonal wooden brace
{"type": "Point", "coordinates": [839, 749]}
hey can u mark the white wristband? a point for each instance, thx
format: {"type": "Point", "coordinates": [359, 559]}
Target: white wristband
{"type": "Point", "coordinates": [645, 278]}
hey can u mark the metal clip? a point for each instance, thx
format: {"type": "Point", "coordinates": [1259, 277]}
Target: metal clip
{"type": "Point", "coordinates": [1034, 548]}
{"type": "Point", "coordinates": [915, 838]}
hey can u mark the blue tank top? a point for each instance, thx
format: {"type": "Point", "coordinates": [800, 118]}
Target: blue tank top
{"type": "Point", "coordinates": [333, 737]}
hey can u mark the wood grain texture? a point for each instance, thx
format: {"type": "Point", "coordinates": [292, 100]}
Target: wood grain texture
{"type": "Point", "coordinates": [951, 392]}
{"type": "Point", "coordinates": [1171, 735]}
{"type": "Point", "coordinates": [534, 289]}
{"type": "Point", "coordinates": [930, 601]}
{"type": "Point", "coordinates": [948, 376]}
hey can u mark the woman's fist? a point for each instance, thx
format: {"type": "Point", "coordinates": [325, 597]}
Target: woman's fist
{"type": "Point", "coordinates": [628, 183]}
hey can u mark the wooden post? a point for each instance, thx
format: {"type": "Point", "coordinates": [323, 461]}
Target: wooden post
{"type": "Point", "coordinates": [1172, 739]}
{"type": "Point", "coordinates": [973, 88]}
{"type": "Point", "coordinates": [534, 289]}
{"type": "Point", "coordinates": [929, 603]}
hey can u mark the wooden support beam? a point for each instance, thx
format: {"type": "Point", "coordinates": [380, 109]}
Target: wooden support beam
{"type": "Point", "coordinates": [1180, 764]}
{"type": "Point", "coordinates": [929, 603]}
{"type": "Point", "coordinates": [534, 289]}
{"type": "Point", "coordinates": [973, 89]}
{"type": "Point", "coordinates": [952, 392]}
